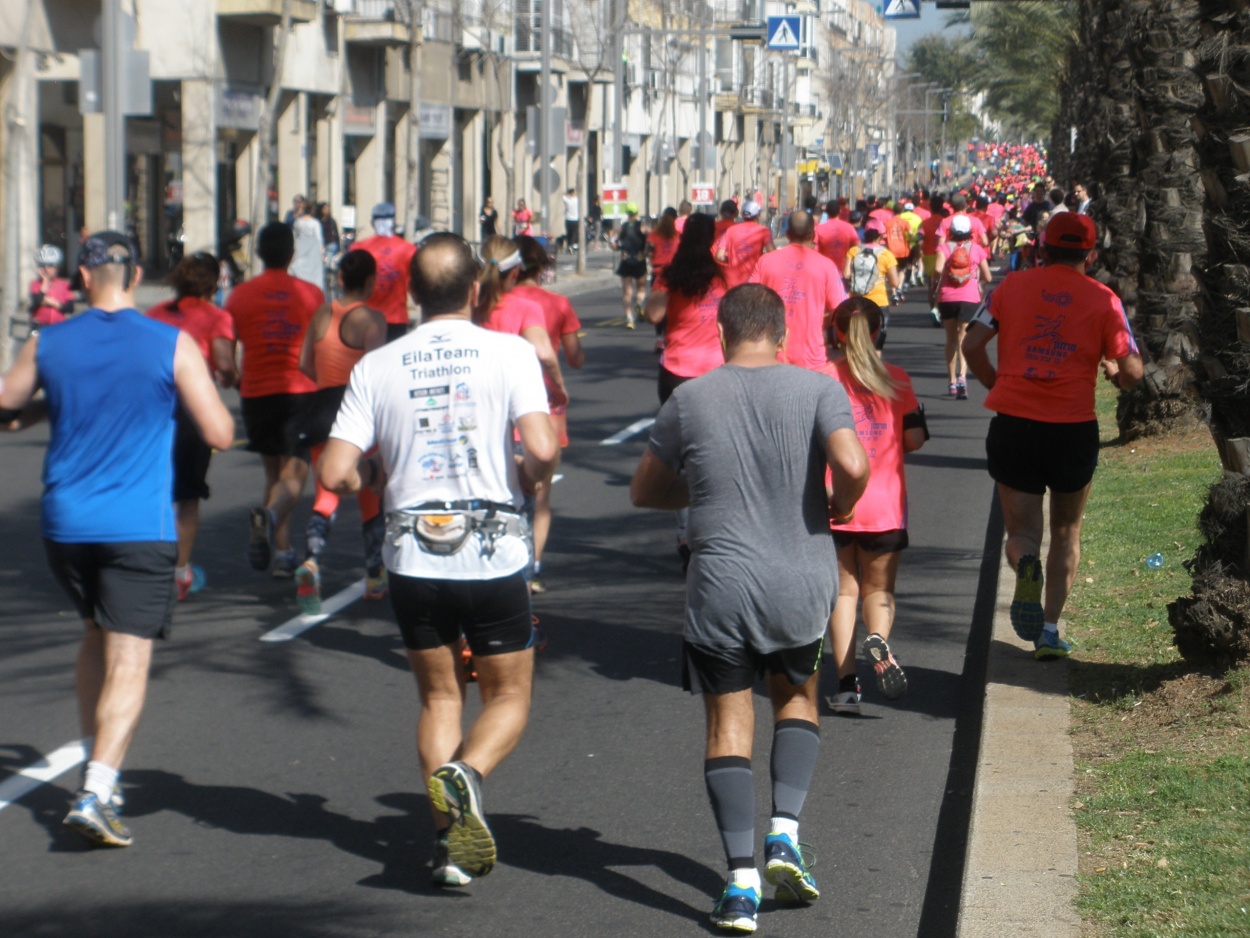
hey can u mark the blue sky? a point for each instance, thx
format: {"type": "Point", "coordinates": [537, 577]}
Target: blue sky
{"type": "Point", "coordinates": [932, 20]}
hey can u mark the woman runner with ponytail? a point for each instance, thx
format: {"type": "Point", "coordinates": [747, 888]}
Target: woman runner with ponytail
{"type": "Point", "coordinates": [889, 422]}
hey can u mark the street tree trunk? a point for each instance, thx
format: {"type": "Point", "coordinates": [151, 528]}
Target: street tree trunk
{"type": "Point", "coordinates": [412, 12]}
{"type": "Point", "coordinates": [265, 134]}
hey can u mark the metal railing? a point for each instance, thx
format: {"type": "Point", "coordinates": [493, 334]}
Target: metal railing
{"type": "Point", "coordinates": [375, 10]}
{"type": "Point", "coordinates": [736, 11]}
{"type": "Point", "coordinates": [529, 38]}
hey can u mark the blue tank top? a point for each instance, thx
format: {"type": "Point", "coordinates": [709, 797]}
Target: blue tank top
{"type": "Point", "coordinates": [108, 473]}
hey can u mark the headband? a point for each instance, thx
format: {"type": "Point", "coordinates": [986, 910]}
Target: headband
{"type": "Point", "coordinates": [505, 265]}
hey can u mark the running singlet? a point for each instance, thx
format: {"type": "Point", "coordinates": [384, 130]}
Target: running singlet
{"type": "Point", "coordinates": [970, 290]}
{"type": "Point", "coordinates": [662, 251]}
{"type": "Point", "coordinates": [1055, 325]}
{"type": "Point", "coordinates": [390, 292]}
{"type": "Point", "coordinates": [440, 404]}
{"type": "Point", "coordinates": [108, 472]}
{"type": "Point", "coordinates": [691, 342]}
{"type": "Point", "coordinates": [809, 284]}
{"type": "Point", "coordinates": [513, 314]}
{"type": "Point", "coordinates": [879, 426]}
{"type": "Point", "coordinates": [744, 244]}
{"type": "Point", "coordinates": [271, 312]}
{"type": "Point", "coordinates": [334, 359]}
{"type": "Point", "coordinates": [199, 319]}
{"type": "Point", "coordinates": [834, 238]}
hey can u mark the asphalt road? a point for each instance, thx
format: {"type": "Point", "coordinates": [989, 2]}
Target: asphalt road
{"type": "Point", "coordinates": [273, 788]}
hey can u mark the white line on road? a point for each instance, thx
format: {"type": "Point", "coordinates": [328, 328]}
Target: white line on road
{"type": "Point", "coordinates": [302, 623]}
{"type": "Point", "coordinates": [45, 770]}
{"type": "Point", "coordinates": [616, 439]}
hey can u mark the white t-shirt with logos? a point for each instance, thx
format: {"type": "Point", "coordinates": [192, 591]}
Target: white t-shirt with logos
{"type": "Point", "coordinates": [440, 405]}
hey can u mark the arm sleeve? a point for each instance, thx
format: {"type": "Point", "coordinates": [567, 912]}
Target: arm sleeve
{"type": "Point", "coordinates": [665, 439]}
{"type": "Point", "coordinates": [355, 422]}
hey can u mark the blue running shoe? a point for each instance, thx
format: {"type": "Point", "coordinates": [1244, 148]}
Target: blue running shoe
{"type": "Point", "coordinates": [454, 790]}
{"type": "Point", "coordinates": [737, 908]}
{"type": "Point", "coordinates": [97, 821]}
{"type": "Point", "coordinates": [785, 869]}
{"type": "Point", "coordinates": [1050, 645]}
{"type": "Point", "coordinates": [1026, 605]}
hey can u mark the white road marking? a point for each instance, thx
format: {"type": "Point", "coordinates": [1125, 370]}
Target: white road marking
{"type": "Point", "coordinates": [638, 426]}
{"type": "Point", "coordinates": [43, 771]}
{"type": "Point", "coordinates": [302, 623]}
{"type": "Point", "coordinates": [556, 478]}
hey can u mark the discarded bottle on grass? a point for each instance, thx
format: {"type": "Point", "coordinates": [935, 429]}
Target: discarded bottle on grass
{"type": "Point", "coordinates": [1155, 561]}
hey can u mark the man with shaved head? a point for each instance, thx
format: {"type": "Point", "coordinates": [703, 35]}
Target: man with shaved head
{"type": "Point", "coordinates": [809, 284]}
{"type": "Point", "coordinates": [441, 405]}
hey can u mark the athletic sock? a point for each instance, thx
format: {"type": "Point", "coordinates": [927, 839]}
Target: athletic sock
{"type": "Point", "coordinates": [731, 790]}
{"type": "Point", "coordinates": [538, 567]}
{"type": "Point", "coordinates": [796, 743]}
{"type": "Point", "coordinates": [785, 825]}
{"type": "Point", "coordinates": [746, 877]}
{"type": "Point", "coordinates": [848, 683]}
{"type": "Point", "coordinates": [100, 779]}
{"type": "Point", "coordinates": [1051, 627]}
{"type": "Point", "coordinates": [180, 573]}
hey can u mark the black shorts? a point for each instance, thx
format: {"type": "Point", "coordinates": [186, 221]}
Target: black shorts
{"type": "Point", "coordinates": [127, 587]}
{"type": "Point", "coordinates": [707, 670]}
{"type": "Point", "coordinates": [494, 615]}
{"type": "Point", "coordinates": [320, 409]}
{"type": "Point", "coordinates": [1031, 456]}
{"type": "Point", "coordinates": [632, 268]}
{"type": "Point", "coordinates": [191, 458]}
{"type": "Point", "coordinates": [396, 330]}
{"type": "Point", "coordinates": [273, 423]}
{"type": "Point", "coordinates": [874, 542]}
{"type": "Point", "coordinates": [959, 310]}
{"type": "Point", "coordinates": [668, 383]}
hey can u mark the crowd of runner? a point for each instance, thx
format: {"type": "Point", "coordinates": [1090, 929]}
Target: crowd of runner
{"type": "Point", "coordinates": [779, 447]}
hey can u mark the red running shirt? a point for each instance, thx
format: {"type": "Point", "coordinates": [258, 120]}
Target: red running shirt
{"type": "Point", "coordinates": [809, 284]}
{"type": "Point", "coordinates": [662, 251]}
{"type": "Point", "coordinates": [744, 244]}
{"type": "Point", "coordinates": [834, 238]}
{"type": "Point", "coordinates": [390, 293]}
{"type": "Point", "coordinates": [691, 341]}
{"type": "Point", "coordinates": [199, 319]}
{"type": "Point", "coordinates": [270, 313]}
{"type": "Point", "coordinates": [515, 313]}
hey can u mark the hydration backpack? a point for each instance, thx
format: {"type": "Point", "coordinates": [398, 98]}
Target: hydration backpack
{"type": "Point", "coordinates": [864, 272]}
{"type": "Point", "coordinates": [958, 270]}
{"type": "Point", "coordinates": [632, 241]}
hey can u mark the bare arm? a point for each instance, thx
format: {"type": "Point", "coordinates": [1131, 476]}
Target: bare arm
{"type": "Point", "coordinates": [344, 470]}
{"type": "Point", "coordinates": [222, 351]}
{"type": "Point", "coordinates": [1124, 372]}
{"type": "Point", "coordinates": [537, 337]}
{"type": "Point", "coordinates": [656, 308]}
{"type": "Point", "coordinates": [655, 485]}
{"type": "Point", "coordinates": [574, 353]}
{"type": "Point", "coordinates": [849, 465]}
{"type": "Point", "coordinates": [20, 384]}
{"type": "Point", "coordinates": [199, 395]}
{"type": "Point", "coordinates": [984, 272]}
{"type": "Point", "coordinates": [316, 328]}
{"type": "Point", "coordinates": [913, 439]}
{"type": "Point", "coordinates": [540, 449]}
{"type": "Point", "coordinates": [974, 348]}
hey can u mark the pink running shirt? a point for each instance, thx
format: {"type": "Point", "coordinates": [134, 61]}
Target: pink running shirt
{"type": "Point", "coordinates": [809, 284]}
{"type": "Point", "coordinates": [744, 243]}
{"type": "Point", "coordinates": [691, 342]}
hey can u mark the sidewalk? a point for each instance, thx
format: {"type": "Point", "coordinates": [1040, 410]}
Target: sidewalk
{"type": "Point", "coordinates": [1020, 867]}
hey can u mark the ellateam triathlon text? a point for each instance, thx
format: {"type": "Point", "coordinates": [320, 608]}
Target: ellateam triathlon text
{"type": "Point", "coordinates": [429, 356]}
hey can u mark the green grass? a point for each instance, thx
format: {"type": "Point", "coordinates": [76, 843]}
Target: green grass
{"type": "Point", "coordinates": [1163, 767]}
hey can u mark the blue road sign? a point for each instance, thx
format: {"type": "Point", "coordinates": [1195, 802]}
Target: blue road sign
{"type": "Point", "coordinates": [784, 32]}
{"type": "Point", "coordinates": [901, 9]}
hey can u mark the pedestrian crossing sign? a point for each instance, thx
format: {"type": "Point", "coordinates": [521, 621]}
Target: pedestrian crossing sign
{"type": "Point", "coordinates": [784, 32]}
{"type": "Point", "coordinates": [901, 9]}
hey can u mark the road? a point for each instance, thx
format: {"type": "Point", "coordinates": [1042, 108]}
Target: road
{"type": "Point", "coordinates": [273, 787]}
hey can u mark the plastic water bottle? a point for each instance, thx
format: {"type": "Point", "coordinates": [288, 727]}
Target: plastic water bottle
{"type": "Point", "coordinates": [1155, 561]}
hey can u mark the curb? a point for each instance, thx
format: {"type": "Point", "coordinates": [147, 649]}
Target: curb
{"type": "Point", "coordinates": [1021, 861]}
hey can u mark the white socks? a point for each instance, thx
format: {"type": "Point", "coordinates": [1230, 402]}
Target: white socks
{"type": "Point", "coordinates": [784, 825]}
{"type": "Point", "coordinates": [100, 780]}
{"type": "Point", "coordinates": [1052, 627]}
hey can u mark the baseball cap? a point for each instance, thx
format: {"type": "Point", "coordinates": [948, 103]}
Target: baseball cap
{"type": "Point", "coordinates": [383, 210]}
{"type": "Point", "coordinates": [909, 206]}
{"type": "Point", "coordinates": [1070, 230]}
{"type": "Point", "coordinates": [751, 209]}
{"type": "Point", "coordinates": [961, 225]}
{"type": "Point", "coordinates": [106, 247]}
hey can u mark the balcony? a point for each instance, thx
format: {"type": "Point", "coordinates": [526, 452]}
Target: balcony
{"type": "Point", "coordinates": [528, 39]}
{"type": "Point", "coordinates": [374, 24]}
{"type": "Point", "coordinates": [266, 12]}
{"type": "Point", "coordinates": [736, 12]}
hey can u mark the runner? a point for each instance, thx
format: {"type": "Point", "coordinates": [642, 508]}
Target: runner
{"type": "Point", "coordinates": [962, 266]}
{"type": "Point", "coordinates": [661, 246]}
{"type": "Point", "coordinates": [455, 545]}
{"type": "Point", "coordinates": [898, 240]}
{"type": "Point", "coordinates": [51, 296]}
{"type": "Point", "coordinates": [195, 281]}
{"type": "Point", "coordinates": [889, 422]}
{"type": "Point", "coordinates": [835, 236]}
{"type": "Point", "coordinates": [1054, 325]}
{"type": "Point", "coordinates": [929, 241]}
{"type": "Point", "coordinates": [563, 329]}
{"type": "Point", "coordinates": [631, 241]}
{"type": "Point", "coordinates": [392, 254]}
{"type": "Point", "coordinates": [872, 272]}
{"type": "Point", "coordinates": [112, 380]}
{"type": "Point", "coordinates": [271, 312]}
{"type": "Point", "coordinates": [726, 218]}
{"type": "Point", "coordinates": [340, 334]}
{"type": "Point", "coordinates": [809, 285]}
{"type": "Point", "coordinates": [739, 249]}
{"type": "Point", "coordinates": [746, 446]}
{"type": "Point", "coordinates": [684, 210]}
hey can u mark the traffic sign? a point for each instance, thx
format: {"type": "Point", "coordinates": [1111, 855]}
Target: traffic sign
{"type": "Point", "coordinates": [784, 32]}
{"type": "Point", "coordinates": [702, 193]}
{"type": "Point", "coordinates": [902, 10]}
{"type": "Point", "coordinates": [615, 195]}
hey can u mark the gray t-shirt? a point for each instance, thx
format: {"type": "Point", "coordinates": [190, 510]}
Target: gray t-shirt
{"type": "Point", "coordinates": [751, 443]}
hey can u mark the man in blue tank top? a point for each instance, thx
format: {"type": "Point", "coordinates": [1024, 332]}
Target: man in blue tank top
{"type": "Point", "coordinates": [111, 379]}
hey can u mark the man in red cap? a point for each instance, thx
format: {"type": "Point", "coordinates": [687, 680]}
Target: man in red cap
{"type": "Point", "coordinates": [1055, 327]}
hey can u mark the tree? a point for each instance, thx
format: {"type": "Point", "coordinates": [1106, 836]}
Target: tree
{"type": "Point", "coordinates": [595, 26]}
{"type": "Point", "coordinates": [410, 13]}
{"type": "Point", "coordinates": [265, 131]}
{"type": "Point", "coordinates": [487, 22]}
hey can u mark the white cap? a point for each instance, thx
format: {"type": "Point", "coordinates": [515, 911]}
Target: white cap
{"type": "Point", "coordinates": [750, 209]}
{"type": "Point", "coordinates": [961, 225]}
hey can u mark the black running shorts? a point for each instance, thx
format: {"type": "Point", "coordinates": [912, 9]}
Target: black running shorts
{"type": "Point", "coordinates": [963, 312]}
{"type": "Point", "coordinates": [1031, 456]}
{"type": "Point", "coordinates": [707, 670]}
{"type": "Point", "coordinates": [127, 587]}
{"type": "Point", "coordinates": [317, 420]}
{"type": "Point", "coordinates": [668, 383]}
{"type": "Point", "coordinates": [873, 542]}
{"type": "Point", "coordinates": [494, 615]}
{"type": "Point", "coordinates": [191, 458]}
{"type": "Point", "coordinates": [273, 423]}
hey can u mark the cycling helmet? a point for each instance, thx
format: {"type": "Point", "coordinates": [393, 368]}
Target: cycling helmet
{"type": "Point", "coordinates": [49, 256]}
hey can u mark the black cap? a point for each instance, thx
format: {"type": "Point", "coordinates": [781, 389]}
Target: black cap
{"type": "Point", "coordinates": [106, 247]}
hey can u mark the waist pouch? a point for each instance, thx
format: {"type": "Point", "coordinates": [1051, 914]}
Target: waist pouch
{"type": "Point", "coordinates": [443, 528]}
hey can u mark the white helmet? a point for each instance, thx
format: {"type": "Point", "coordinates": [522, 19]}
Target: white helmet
{"type": "Point", "coordinates": [49, 256]}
